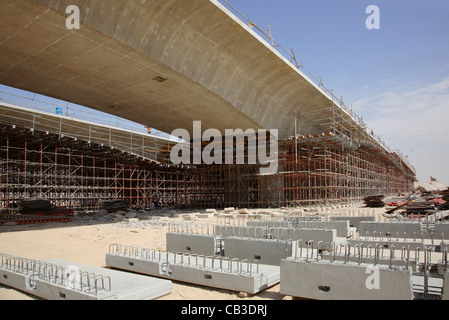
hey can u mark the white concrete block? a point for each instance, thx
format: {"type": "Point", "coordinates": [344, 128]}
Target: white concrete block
{"type": "Point", "coordinates": [322, 280]}
{"type": "Point", "coordinates": [205, 271]}
{"type": "Point", "coordinates": [191, 243]}
{"type": "Point", "coordinates": [264, 251]}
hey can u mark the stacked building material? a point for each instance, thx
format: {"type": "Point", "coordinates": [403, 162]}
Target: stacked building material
{"type": "Point", "coordinates": [36, 207]}
{"type": "Point", "coordinates": [374, 201]}
{"type": "Point", "coordinates": [41, 207]}
{"type": "Point", "coordinates": [116, 205]}
{"type": "Point", "coordinates": [419, 207]}
{"type": "Point", "coordinates": [445, 197]}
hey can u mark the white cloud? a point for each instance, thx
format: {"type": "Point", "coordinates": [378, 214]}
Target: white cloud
{"type": "Point", "coordinates": [414, 120]}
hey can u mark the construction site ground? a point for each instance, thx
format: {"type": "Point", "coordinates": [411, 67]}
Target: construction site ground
{"type": "Point", "coordinates": [86, 241]}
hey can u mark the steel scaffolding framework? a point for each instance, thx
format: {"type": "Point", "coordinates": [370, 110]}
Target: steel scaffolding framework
{"type": "Point", "coordinates": [80, 175]}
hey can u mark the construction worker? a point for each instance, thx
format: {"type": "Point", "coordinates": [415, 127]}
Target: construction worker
{"type": "Point", "coordinates": [156, 202]}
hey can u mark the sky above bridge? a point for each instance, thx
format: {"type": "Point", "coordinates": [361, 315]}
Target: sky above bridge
{"type": "Point", "coordinates": [395, 77]}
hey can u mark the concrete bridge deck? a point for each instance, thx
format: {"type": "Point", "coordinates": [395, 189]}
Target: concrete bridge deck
{"type": "Point", "coordinates": [162, 63]}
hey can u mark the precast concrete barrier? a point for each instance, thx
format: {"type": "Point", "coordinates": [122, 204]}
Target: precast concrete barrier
{"type": "Point", "coordinates": [385, 243]}
{"type": "Point", "coordinates": [409, 229]}
{"type": "Point", "coordinates": [258, 232]}
{"type": "Point", "coordinates": [354, 221]}
{"type": "Point", "coordinates": [445, 295]}
{"type": "Point", "coordinates": [421, 230]}
{"type": "Point", "coordinates": [336, 280]}
{"type": "Point", "coordinates": [278, 233]}
{"type": "Point", "coordinates": [270, 224]}
{"type": "Point", "coordinates": [265, 245]}
{"type": "Point", "coordinates": [192, 243]}
{"type": "Point", "coordinates": [376, 254]}
{"type": "Point", "coordinates": [264, 251]}
{"type": "Point", "coordinates": [342, 227]}
{"type": "Point", "coordinates": [211, 271]}
{"type": "Point", "coordinates": [54, 279]}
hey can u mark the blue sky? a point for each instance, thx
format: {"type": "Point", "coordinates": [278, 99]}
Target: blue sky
{"type": "Point", "coordinates": [396, 78]}
{"type": "Point", "coordinates": [44, 103]}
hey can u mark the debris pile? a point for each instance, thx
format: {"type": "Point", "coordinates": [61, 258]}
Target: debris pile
{"type": "Point", "coordinates": [419, 207]}
{"type": "Point", "coordinates": [374, 201]}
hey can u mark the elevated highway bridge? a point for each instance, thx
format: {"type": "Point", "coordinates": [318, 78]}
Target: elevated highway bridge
{"type": "Point", "coordinates": [165, 64]}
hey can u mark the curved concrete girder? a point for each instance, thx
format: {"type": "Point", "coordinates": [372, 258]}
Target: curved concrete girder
{"type": "Point", "coordinates": [218, 71]}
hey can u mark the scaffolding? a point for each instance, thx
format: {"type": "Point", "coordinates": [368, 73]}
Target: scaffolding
{"type": "Point", "coordinates": [332, 158]}
{"type": "Point", "coordinates": [327, 174]}
{"type": "Point", "coordinates": [43, 157]}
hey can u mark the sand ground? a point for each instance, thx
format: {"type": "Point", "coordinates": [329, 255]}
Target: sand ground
{"type": "Point", "coordinates": [88, 243]}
